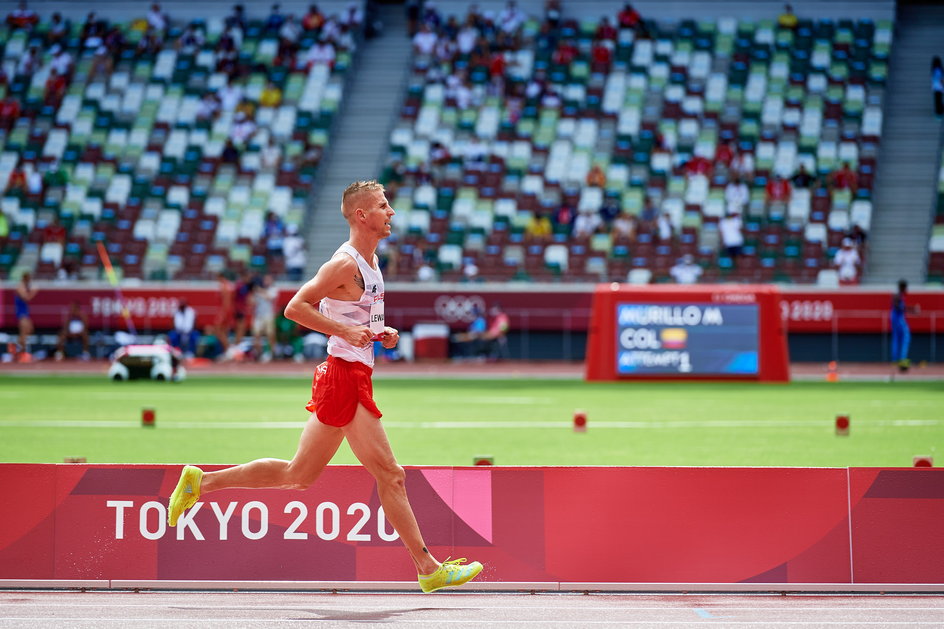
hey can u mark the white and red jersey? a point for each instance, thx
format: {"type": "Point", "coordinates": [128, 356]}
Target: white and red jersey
{"type": "Point", "coordinates": [367, 311]}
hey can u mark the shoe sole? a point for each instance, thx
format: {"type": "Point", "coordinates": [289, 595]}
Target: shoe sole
{"type": "Point", "coordinates": [179, 503]}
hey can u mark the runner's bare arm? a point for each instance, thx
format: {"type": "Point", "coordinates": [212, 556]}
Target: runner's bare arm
{"type": "Point", "coordinates": [334, 279]}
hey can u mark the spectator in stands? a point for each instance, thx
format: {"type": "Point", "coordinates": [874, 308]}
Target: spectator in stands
{"type": "Point", "coordinates": [698, 165]}
{"type": "Point", "coordinates": [413, 12]}
{"type": "Point", "coordinates": [431, 15]}
{"type": "Point", "coordinates": [802, 180]}
{"type": "Point", "coordinates": [510, 20]}
{"type": "Point", "coordinates": [270, 156]}
{"type": "Point", "coordinates": [191, 40]}
{"type": "Point", "coordinates": [25, 293]}
{"type": "Point", "coordinates": [467, 37]}
{"type": "Point", "coordinates": [596, 178]}
{"type": "Point", "coordinates": [209, 107]}
{"type": "Point", "coordinates": [16, 184]}
{"type": "Point", "coordinates": [264, 295]}
{"type": "Point", "coordinates": [787, 19]}
{"type": "Point", "coordinates": [847, 261]}
{"type": "Point", "coordinates": [470, 272]}
{"type": "Point", "coordinates": [586, 223]}
{"type": "Point", "coordinates": [606, 30]}
{"type": "Point", "coordinates": [185, 335]}
{"type": "Point", "coordinates": [293, 248]}
{"type": "Point", "coordinates": [844, 179]}
{"type": "Point", "coordinates": [858, 235]}
{"type": "Point", "coordinates": [553, 13]}
{"type": "Point", "coordinates": [685, 271]}
{"type": "Point", "coordinates": [732, 237]}
{"type": "Point", "coordinates": [937, 86]}
{"type": "Point", "coordinates": [242, 130]}
{"type": "Point", "coordinates": [230, 154]}
{"type": "Point", "coordinates": [901, 333]}
{"type": "Point", "coordinates": [289, 34]}
{"type": "Point", "coordinates": [9, 112]}
{"type": "Point", "coordinates": [601, 56]}
{"type": "Point", "coordinates": [229, 96]}
{"type": "Point", "coordinates": [22, 17]}
{"type": "Point", "coordinates": [56, 176]}
{"type": "Point", "coordinates": [30, 61]}
{"type": "Point", "coordinates": [564, 217]}
{"type": "Point", "coordinates": [736, 196]}
{"type": "Point", "coordinates": [275, 20]}
{"type": "Point", "coordinates": [424, 42]}
{"type": "Point", "coordinates": [476, 154]}
{"type": "Point", "coordinates": [314, 19]}
{"type": "Point", "coordinates": [54, 232]}
{"type": "Point", "coordinates": [227, 55]}
{"type": "Point", "coordinates": [664, 227]}
{"type": "Point", "coordinates": [271, 96]}
{"type": "Point", "coordinates": [61, 60]}
{"type": "Point", "coordinates": [34, 180]}
{"type": "Point", "coordinates": [321, 53]}
{"type": "Point", "coordinates": [648, 215]}
{"type": "Point", "coordinates": [425, 272]}
{"type": "Point", "coordinates": [742, 164]}
{"type": "Point", "coordinates": [157, 20]}
{"type": "Point", "coordinates": [4, 225]}
{"type": "Point", "coordinates": [630, 18]}
{"type": "Point", "coordinates": [624, 226]}
{"type": "Point", "coordinates": [273, 231]}
{"type": "Point", "coordinates": [237, 18]}
{"type": "Point", "coordinates": [55, 89]}
{"type": "Point", "coordinates": [539, 226]}
{"type": "Point", "coordinates": [778, 190]}
{"type": "Point", "coordinates": [58, 29]}
{"type": "Point", "coordinates": [353, 17]}
{"type": "Point", "coordinates": [609, 210]}
{"type": "Point", "coordinates": [724, 154]}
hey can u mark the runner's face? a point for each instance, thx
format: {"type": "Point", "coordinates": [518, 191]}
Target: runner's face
{"type": "Point", "coordinates": [379, 213]}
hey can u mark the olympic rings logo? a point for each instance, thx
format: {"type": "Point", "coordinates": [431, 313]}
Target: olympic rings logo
{"type": "Point", "coordinates": [452, 309]}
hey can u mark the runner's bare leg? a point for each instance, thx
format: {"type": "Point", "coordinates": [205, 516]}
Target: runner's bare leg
{"type": "Point", "coordinates": [368, 440]}
{"type": "Point", "coordinates": [316, 447]}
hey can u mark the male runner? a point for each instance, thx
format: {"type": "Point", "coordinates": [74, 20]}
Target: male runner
{"type": "Point", "coordinates": [350, 291]}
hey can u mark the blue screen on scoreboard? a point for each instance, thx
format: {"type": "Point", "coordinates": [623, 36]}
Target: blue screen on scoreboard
{"type": "Point", "coordinates": [705, 339]}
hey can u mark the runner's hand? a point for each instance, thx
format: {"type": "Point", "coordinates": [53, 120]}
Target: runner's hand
{"type": "Point", "coordinates": [390, 337]}
{"type": "Point", "coordinates": [357, 335]}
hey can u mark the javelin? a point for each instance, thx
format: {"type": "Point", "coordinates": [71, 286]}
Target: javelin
{"type": "Point", "coordinates": [113, 280]}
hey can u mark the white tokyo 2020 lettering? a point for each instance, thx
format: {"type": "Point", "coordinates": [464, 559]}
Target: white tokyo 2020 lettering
{"type": "Point", "coordinates": [253, 521]}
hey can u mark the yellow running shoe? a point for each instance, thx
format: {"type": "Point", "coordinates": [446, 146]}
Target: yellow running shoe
{"type": "Point", "coordinates": [185, 494]}
{"type": "Point", "coordinates": [449, 574]}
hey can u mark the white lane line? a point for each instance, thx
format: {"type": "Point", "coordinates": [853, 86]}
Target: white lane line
{"type": "Point", "coordinates": [462, 425]}
{"type": "Point", "coordinates": [248, 606]}
{"type": "Point", "coordinates": [177, 620]}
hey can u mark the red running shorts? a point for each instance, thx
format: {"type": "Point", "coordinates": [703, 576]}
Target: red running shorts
{"type": "Point", "coordinates": [337, 388]}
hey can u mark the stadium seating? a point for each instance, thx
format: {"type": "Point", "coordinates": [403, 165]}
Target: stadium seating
{"type": "Point", "coordinates": [810, 96]}
{"type": "Point", "coordinates": [143, 171]}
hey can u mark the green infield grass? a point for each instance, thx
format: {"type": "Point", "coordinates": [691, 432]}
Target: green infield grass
{"type": "Point", "coordinates": [448, 422]}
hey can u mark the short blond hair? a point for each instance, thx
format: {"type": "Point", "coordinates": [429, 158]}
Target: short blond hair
{"type": "Point", "coordinates": [349, 197]}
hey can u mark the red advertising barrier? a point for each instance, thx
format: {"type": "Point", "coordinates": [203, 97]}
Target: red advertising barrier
{"type": "Point", "coordinates": [538, 524]}
{"type": "Point", "coordinates": [557, 308]}
{"type": "Point", "coordinates": [717, 331]}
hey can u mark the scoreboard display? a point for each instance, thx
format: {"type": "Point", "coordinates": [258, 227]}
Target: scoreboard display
{"type": "Point", "coordinates": [687, 332]}
{"type": "Point", "coordinates": [702, 338]}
